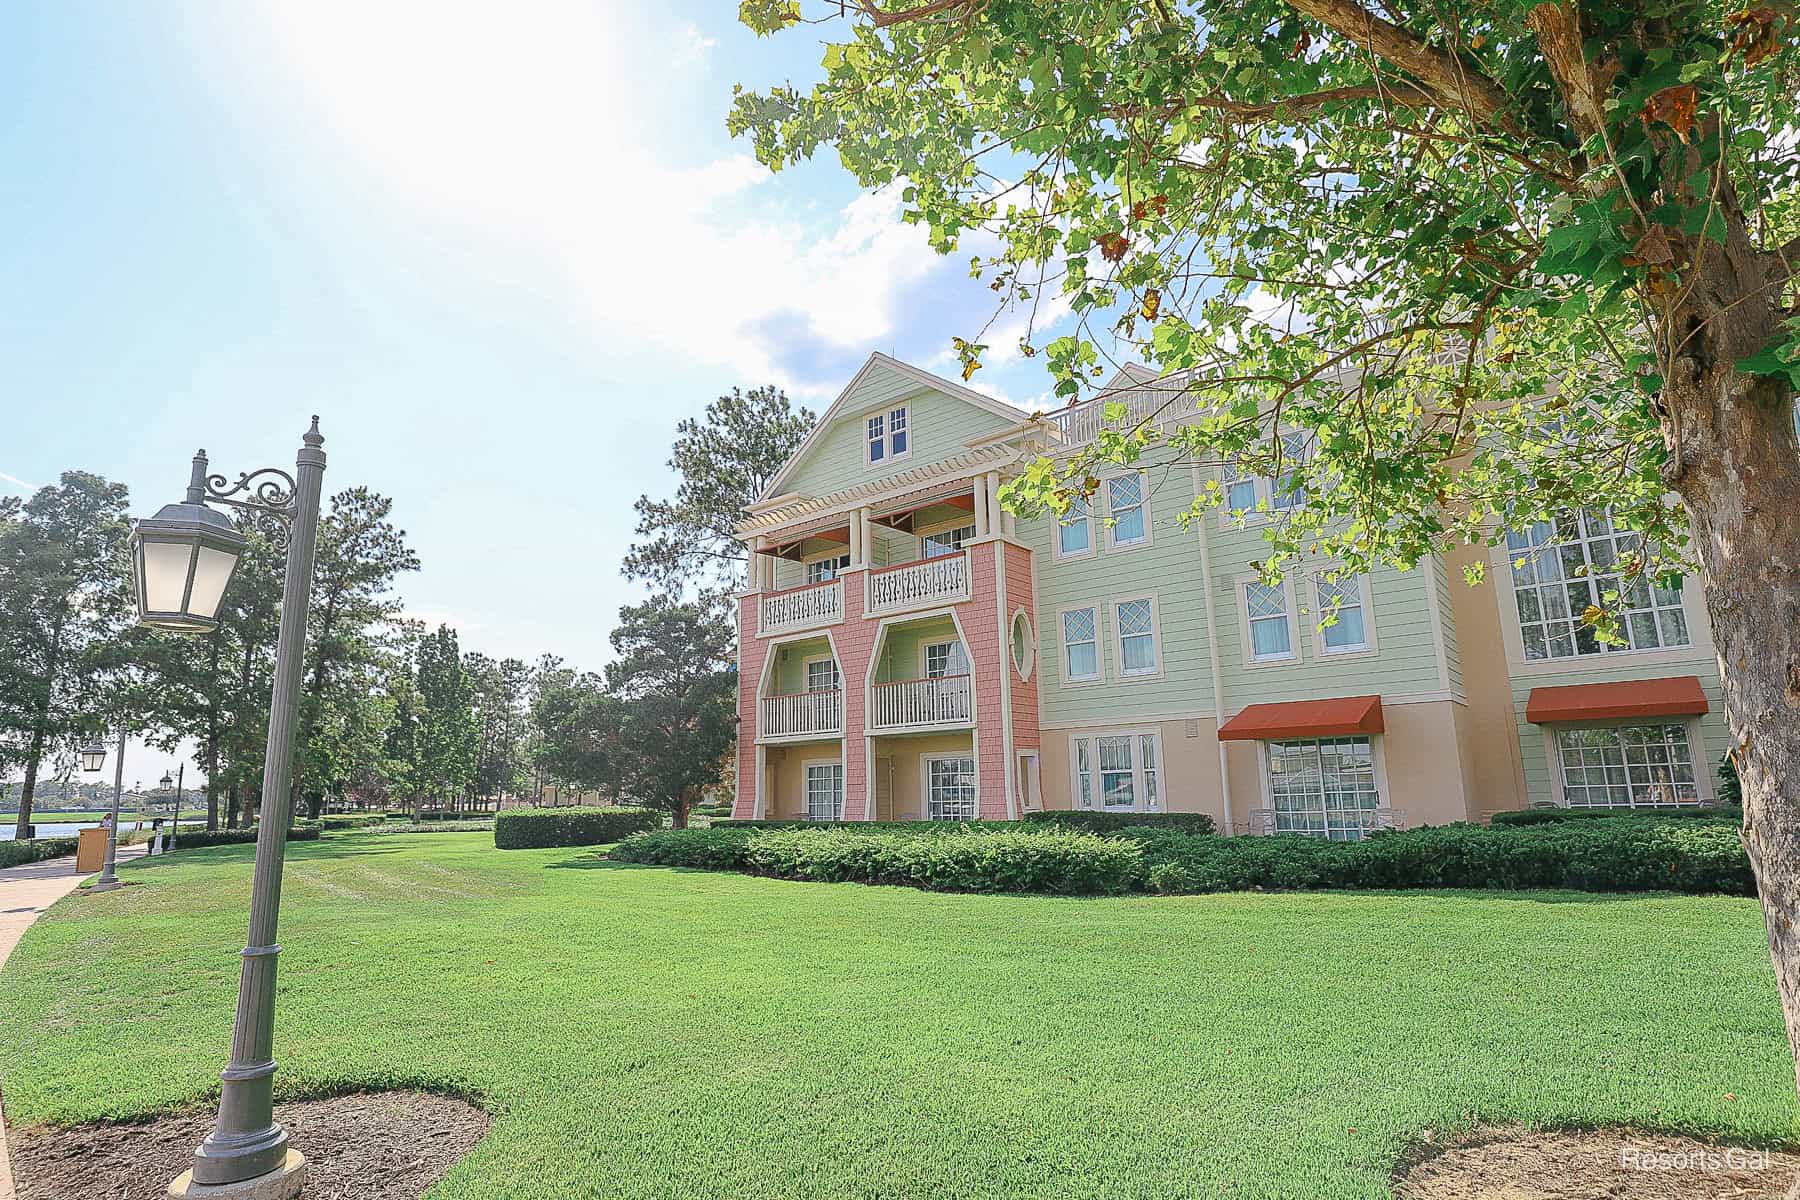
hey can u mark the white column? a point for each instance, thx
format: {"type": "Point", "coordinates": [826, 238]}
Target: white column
{"type": "Point", "coordinates": [993, 500]}
{"type": "Point", "coordinates": [856, 541]}
{"type": "Point", "coordinates": [981, 506]}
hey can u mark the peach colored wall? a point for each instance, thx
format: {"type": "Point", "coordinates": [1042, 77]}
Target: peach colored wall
{"type": "Point", "coordinates": [1189, 776]}
{"type": "Point", "coordinates": [1425, 782]}
{"type": "Point", "coordinates": [1492, 756]}
{"type": "Point", "coordinates": [909, 802]}
{"type": "Point", "coordinates": [785, 777]}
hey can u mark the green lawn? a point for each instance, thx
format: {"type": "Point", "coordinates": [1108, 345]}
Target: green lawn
{"type": "Point", "coordinates": [657, 1033]}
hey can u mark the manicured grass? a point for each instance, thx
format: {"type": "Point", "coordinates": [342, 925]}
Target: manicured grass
{"type": "Point", "coordinates": [648, 1032]}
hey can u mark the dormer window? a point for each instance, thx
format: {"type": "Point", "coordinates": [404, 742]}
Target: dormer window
{"type": "Point", "coordinates": [888, 435]}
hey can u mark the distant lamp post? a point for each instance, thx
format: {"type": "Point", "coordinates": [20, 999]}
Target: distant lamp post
{"type": "Point", "coordinates": [167, 782]}
{"type": "Point", "coordinates": [182, 559]}
{"type": "Point", "coordinates": [109, 879]}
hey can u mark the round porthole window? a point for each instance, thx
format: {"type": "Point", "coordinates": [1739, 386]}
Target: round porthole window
{"type": "Point", "coordinates": [1023, 645]}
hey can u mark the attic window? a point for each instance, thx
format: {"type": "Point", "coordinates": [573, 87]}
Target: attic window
{"type": "Point", "coordinates": [889, 435]}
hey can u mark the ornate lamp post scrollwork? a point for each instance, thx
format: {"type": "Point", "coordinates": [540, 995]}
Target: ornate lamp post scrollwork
{"type": "Point", "coordinates": [182, 559]}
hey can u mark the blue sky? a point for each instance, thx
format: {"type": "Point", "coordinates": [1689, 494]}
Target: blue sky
{"type": "Point", "coordinates": [501, 250]}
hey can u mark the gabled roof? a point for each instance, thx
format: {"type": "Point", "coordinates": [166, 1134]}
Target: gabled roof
{"type": "Point", "coordinates": [883, 362]}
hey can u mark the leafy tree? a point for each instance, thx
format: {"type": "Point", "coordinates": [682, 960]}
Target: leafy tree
{"type": "Point", "coordinates": [354, 629]}
{"type": "Point", "coordinates": [64, 608]}
{"type": "Point", "coordinates": [674, 688]}
{"type": "Point", "coordinates": [447, 737]}
{"type": "Point", "coordinates": [579, 726]}
{"type": "Point", "coordinates": [723, 462]}
{"type": "Point", "coordinates": [1447, 270]}
{"type": "Point", "coordinates": [500, 713]}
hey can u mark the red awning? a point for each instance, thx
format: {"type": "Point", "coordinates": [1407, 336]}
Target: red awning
{"type": "Point", "coordinates": [1343, 716]}
{"type": "Point", "coordinates": [1675, 696]}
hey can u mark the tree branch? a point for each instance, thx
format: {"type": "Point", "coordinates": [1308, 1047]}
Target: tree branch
{"type": "Point", "coordinates": [1558, 30]}
{"type": "Point", "coordinates": [1443, 73]}
{"type": "Point", "coordinates": [1398, 94]}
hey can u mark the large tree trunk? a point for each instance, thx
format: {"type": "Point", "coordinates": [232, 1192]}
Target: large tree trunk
{"type": "Point", "coordinates": [1735, 462]}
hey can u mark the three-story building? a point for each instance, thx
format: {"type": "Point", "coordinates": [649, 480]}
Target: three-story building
{"type": "Point", "coordinates": [909, 650]}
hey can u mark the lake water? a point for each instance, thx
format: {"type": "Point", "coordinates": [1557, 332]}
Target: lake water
{"type": "Point", "coordinates": [45, 829]}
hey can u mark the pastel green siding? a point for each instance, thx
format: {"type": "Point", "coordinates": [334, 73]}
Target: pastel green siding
{"type": "Point", "coordinates": [900, 653]}
{"type": "Point", "coordinates": [1447, 614]}
{"type": "Point", "coordinates": [789, 670]}
{"type": "Point", "coordinates": [940, 427]}
{"type": "Point", "coordinates": [1170, 569]}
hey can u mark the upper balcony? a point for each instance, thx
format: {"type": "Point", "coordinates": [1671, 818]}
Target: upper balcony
{"type": "Point", "coordinates": [1144, 398]}
{"type": "Point", "coordinates": [942, 579]}
{"type": "Point", "coordinates": [811, 606]}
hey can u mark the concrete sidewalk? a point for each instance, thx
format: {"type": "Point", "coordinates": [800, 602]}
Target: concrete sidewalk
{"type": "Point", "coordinates": [25, 892]}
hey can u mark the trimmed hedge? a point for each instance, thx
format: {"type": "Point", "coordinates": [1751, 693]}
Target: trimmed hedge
{"type": "Point", "coordinates": [30, 850]}
{"type": "Point", "coordinates": [1623, 854]}
{"type": "Point", "coordinates": [200, 839]}
{"type": "Point", "coordinates": [1548, 814]}
{"type": "Point", "coordinates": [341, 822]}
{"type": "Point", "coordinates": [863, 826]}
{"type": "Point", "coordinates": [1114, 822]}
{"type": "Point", "coordinates": [383, 828]}
{"type": "Point", "coordinates": [941, 858]}
{"type": "Point", "coordinates": [534, 828]}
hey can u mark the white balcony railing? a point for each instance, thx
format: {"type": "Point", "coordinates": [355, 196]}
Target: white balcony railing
{"type": "Point", "coordinates": [803, 713]}
{"type": "Point", "coordinates": [942, 580]}
{"type": "Point", "coordinates": [801, 608]}
{"type": "Point", "coordinates": [1160, 407]}
{"type": "Point", "coordinates": [943, 700]}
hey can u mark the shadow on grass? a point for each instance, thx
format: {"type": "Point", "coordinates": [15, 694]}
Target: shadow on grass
{"type": "Point", "coordinates": [597, 861]}
{"type": "Point", "coordinates": [322, 848]}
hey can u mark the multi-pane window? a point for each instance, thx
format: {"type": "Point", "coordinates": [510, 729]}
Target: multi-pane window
{"type": "Point", "coordinates": [821, 569]}
{"type": "Point", "coordinates": [1560, 569]}
{"type": "Point", "coordinates": [1286, 491]}
{"type": "Point", "coordinates": [1324, 788]}
{"type": "Point", "coordinates": [1633, 766]}
{"type": "Point", "coordinates": [947, 541]}
{"type": "Point", "coordinates": [945, 658]}
{"type": "Point", "coordinates": [888, 434]}
{"type": "Point", "coordinates": [825, 791]}
{"type": "Point", "coordinates": [1125, 506]}
{"type": "Point", "coordinates": [1137, 636]}
{"type": "Point", "coordinates": [1117, 771]}
{"type": "Point", "coordinates": [822, 675]}
{"type": "Point", "coordinates": [1271, 635]}
{"type": "Point", "coordinates": [1240, 490]}
{"type": "Point", "coordinates": [1074, 534]}
{"type": "Point", "coordinates": [1081, 644]}
{"type": "Point", "coordinates": [950, 789]}
{"type": "Point", "coordinates": [1343, 599]}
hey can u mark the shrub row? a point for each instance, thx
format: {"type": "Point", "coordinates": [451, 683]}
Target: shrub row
{"type": "Point", "coordinates": [1625, 854]}
{"type": "Point", "coordinates": [1548, 814]}
{"type": "Point", "coordinates": [341, 822]}
{"type": "Point", "coordinates": [532, 828]}
{"type": "Point", "coordinates": [30, 850]}
{"type": "Point", "coordinates": [384, 828]}
{"type": "Point", "coordinates": [200, 839]}
{"type": "Point", "coordinates": [949, 858]}
{"type": "Point", "coordinates": [1622, 854]}
{"type": "Point", "coordinates": [862, 826]}
{"type": "Point", "coordinates": [1114, 822]}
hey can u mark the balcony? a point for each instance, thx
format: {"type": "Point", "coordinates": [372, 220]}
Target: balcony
{"type": "Point", "coordinates": [806, 714]}
{"type": "Point", "coordinates": [1160, 407]}
{"type": "Point", "coordinates": [801, 608]}
{"type": "Point", "coordinates": [942, 700]}
{"type": "Point", "coordinates": [922, 584]}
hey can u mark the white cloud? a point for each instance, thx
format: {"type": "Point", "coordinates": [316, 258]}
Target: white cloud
{"type": "Point", "coordinates": [693, 45]}
{"type": "Point", "coordinates": [537, 132]}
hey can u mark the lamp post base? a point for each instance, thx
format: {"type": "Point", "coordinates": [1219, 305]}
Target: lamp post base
{"type": "Point", "coordinates": [104, 885]}
{"type": "Point", "coordinates": [283, 1183]}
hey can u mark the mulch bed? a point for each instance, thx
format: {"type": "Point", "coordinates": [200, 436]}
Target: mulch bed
{"type": "Point", "coordinates": [369, 1146]}
{"type": "Point", "coordinates": [1603, 1164]}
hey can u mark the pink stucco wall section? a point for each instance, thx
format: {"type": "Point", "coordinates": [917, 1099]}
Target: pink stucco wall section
{"type": "Point", "coordinates": [987, 641]}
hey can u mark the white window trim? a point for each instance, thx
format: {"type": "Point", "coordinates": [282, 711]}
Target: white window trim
{"type": "Point", "coordinates": [1120, 675]}
{"type": "Point", "coordinates": [1031, 648]}
{"type": "Point", "coordinates": [806, 667]}
{"type": "Point", "coordinates": [1149, 537]}
{"type": "Point", "coordinates": [1092, 738]}
{"type": "Point", "coordinates": [820, 556]}
{"type": "Point", "coordinates": [1062, 645]}
{"type": "Point", "coordinates": [1703, 759]}
{"type": "Point", "coordinates": [1369, 646]}
{"type": "Point", "coordinates": [952, 640]}
{"type": "Point", "coordinates": [937, 527]}
{"type": "Point", "coordinates": [1693, 601]}
{"type": "Point", "coordinates": [1377, 753]}
{"type": "Point", "coordinates": [1264, 510]}
{"type": "Point", "coordinates": [885, 412]}
{"type": "Point", "coordinates": [1240, 599]}
{"type": "Point", "coordinates": [1056, 550]}
{"type": "Point", "coordinates": [925, 761]}
{"type": "Point", "coordinates": [806, 766]}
